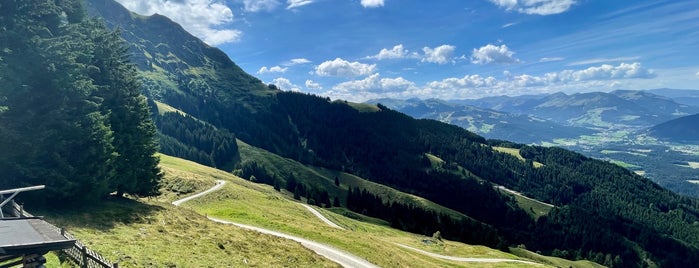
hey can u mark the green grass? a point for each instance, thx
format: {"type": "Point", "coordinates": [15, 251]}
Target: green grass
{"type": "Point", "coordinates": [557, 262]}
{"type": "Point", "coordinates": [363, 107]}
{"type": "Point", "coordinates": [324, 179]}
{"type": "Point", "coordinates": [624, 164]}
{"type": "Point", "coordinates": [260, 205]}
{"type": "Point", "coordinates": [153, 233]}
{"type": "Point", "coordinates": [164, 108]}
{"type": "Point", "coordinates": [149, 232]}
{"type": "Point", "coordinates": [534, 208]}
{"type": "Point", "coordinates": [515, 152]}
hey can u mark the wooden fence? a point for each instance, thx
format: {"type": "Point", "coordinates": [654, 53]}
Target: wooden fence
{"type": "Point", "coordinates": [79, 253]}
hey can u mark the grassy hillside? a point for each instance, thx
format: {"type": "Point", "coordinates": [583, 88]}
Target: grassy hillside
{"type": "Point", "coordinates": [323, 178]}
{"type": "Point", "coordinates": [148, 232]}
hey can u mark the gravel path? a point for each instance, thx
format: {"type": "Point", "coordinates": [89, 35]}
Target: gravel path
{"type": "Point", "coordinates": [339, 256]}
{"type": "Point", "coordinates": [322, 218]}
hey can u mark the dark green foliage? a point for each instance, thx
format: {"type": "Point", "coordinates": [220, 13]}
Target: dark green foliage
{"type": "Point", "coordinates": [185, 137]}
{"type": "Point", "coordinates": [421, 221]}
{"type": "Point", "coordinates": [58, 127]}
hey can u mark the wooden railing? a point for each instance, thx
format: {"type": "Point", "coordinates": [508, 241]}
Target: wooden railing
{"type": "Point", "coordinates": [79, 253]}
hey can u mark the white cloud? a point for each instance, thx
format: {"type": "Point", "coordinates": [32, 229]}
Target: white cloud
{"type": "Point", "coordinates": [697, 74]}
{"type": "Point", "coordinates": [397, 52]}
{"type": "Point", "coordinates": [297, 3]}
{"type": "Point", "coordinates": [536, 7]}
{"type": "Point", "coordinates": [603, 60]}
{"type": "Point", "coordinates": [374, 83]}
{"type": "Point", "coordinates": [296, 61]}
{"type": "Point", "coordinates": [340, 67]}
{"type": "Point", "coordinates": [551, 59]}
{"type": "Point", "coordinates": [275, 69]}
{"type": "Point", "coordinates": [606, 71]}
{"type": "Point", "coordinates": [313, 85]}
{"type": "Point", "coordinates": [284, 84]}
{"type": "Point", "coordinates": [468, 81]}
{"type": "Point", "coordinates": [441, 54]}
{"type": "Point", "coordinates": [202, 18]}
{"type": "Point", "coordinates": [507, 25]}
{"type": "Point", "coordinates": [372, 3]}
{"type": "Point", "coordinates": [374, 86]}
{"type": "Point", "coordinates": [493, 54]}
{"type": "Point", "coordinates": [260, 5]}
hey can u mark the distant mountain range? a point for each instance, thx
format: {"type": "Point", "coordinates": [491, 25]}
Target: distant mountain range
{"type": "Point", "coordinates": [487, 122]}
{"type": "Point", "coordinates": [683, 96]}
{"type": "Point", "coordinates": [541, 118]}
{"type": "Point", "coordinates": [632, 108]}
{"type": "Point", "coordinates": [683, 129]}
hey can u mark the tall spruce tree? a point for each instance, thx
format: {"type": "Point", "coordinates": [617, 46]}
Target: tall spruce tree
{"type": "Point", "coordinates": [136, 166]}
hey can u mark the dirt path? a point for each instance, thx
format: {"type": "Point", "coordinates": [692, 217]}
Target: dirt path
{"type": "Point", "coordinates": [322, 218]}
{"type": "Point", "coordinates": [339, 256]}
{"type": "Point", "coordinates": [219, 184]}
{"type": "Point", "coordinates": [461, 259]}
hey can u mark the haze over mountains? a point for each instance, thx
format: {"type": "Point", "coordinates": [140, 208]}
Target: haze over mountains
{"type": "Point", "coordinates": [210, 111]}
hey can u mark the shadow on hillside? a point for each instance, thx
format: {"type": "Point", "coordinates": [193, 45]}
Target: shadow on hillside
{"type": "Point", "coordinates": [101, 216]}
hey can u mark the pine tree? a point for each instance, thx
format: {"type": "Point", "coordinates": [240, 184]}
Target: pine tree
{"type": "Point", "coordinates": [136, 166]}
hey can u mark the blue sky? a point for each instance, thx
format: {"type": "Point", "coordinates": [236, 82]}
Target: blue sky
{"type": "Point", "coordinates": [451, 49]}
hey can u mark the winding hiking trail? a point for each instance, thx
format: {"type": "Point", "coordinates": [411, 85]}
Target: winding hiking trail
{"type": "Point", "coordinates": [434, 255]}
{"type": "Point", "coordinates": [341, 257]}
{"type": "Point", "coordinates": [322, 218]}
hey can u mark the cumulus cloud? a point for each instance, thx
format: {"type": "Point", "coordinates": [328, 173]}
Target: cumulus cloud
{"type": "Point", "coordinates": [372, 3]}
{"type": "Point", "coordinates": [260, 5]}
{"type": "Point", "coordinates": [313, 85]}
{"type": "Point", "coordinates": [374, 86]}
{"type": "Point", "coordinates": [205, 19]}
{"type": "Point", "coordinates": [343, 68]}
{"type": "Point", "coordinates": [468, 81]}
{"type": "Point", "coordinates": [397, 52]}
{"type": "Point", "coordinates": [297, 3]}
{"type": "Point", "coordinates": [284, 84]}
{"type": "Point", "coordinates": [493, 54]}
{"type": "Point", "coordinates": [275, 69]}
{"type": "Point", "coordinates": [606, 71]}
{"type": "Point", "coordinates": [536, 7]}
{"type": "Point", "coordinates": [441, 54]}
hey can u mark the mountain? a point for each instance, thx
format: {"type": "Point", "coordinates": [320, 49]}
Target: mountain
{"type": "Point", "coordinates": [489, 123]}
{"type": "Point", "coordinates": [683, 96]}
{"type": "Point", "coordinates": [681, 130]}
{"type": "Point", "coordinates": [601, 212]}
{"type": "Point", "coordinates": [595, 109]}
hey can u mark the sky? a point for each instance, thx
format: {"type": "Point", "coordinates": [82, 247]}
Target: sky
{"type": "Point", "coordinates": [359, 50]}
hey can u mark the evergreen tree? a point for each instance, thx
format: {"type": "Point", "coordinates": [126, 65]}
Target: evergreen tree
{"type": "Point", "coordinates": [136, 166]}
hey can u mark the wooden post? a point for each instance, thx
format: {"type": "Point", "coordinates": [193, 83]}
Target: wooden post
{"type": "Point", "coordinates": [84, 251]}
{"type": "Point", "coordinates": [115, 265]}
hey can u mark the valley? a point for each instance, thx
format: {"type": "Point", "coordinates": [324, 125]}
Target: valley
{"type": "Point", "coordinates": [615, 126]}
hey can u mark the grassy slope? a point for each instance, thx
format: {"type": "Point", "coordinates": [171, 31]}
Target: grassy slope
{"type": "Point", "coordinates": [149, 232]}
{"type": "Point", "coordinates": [325, 179]}
{"type": "Point", "coordinates": [259, 205]}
